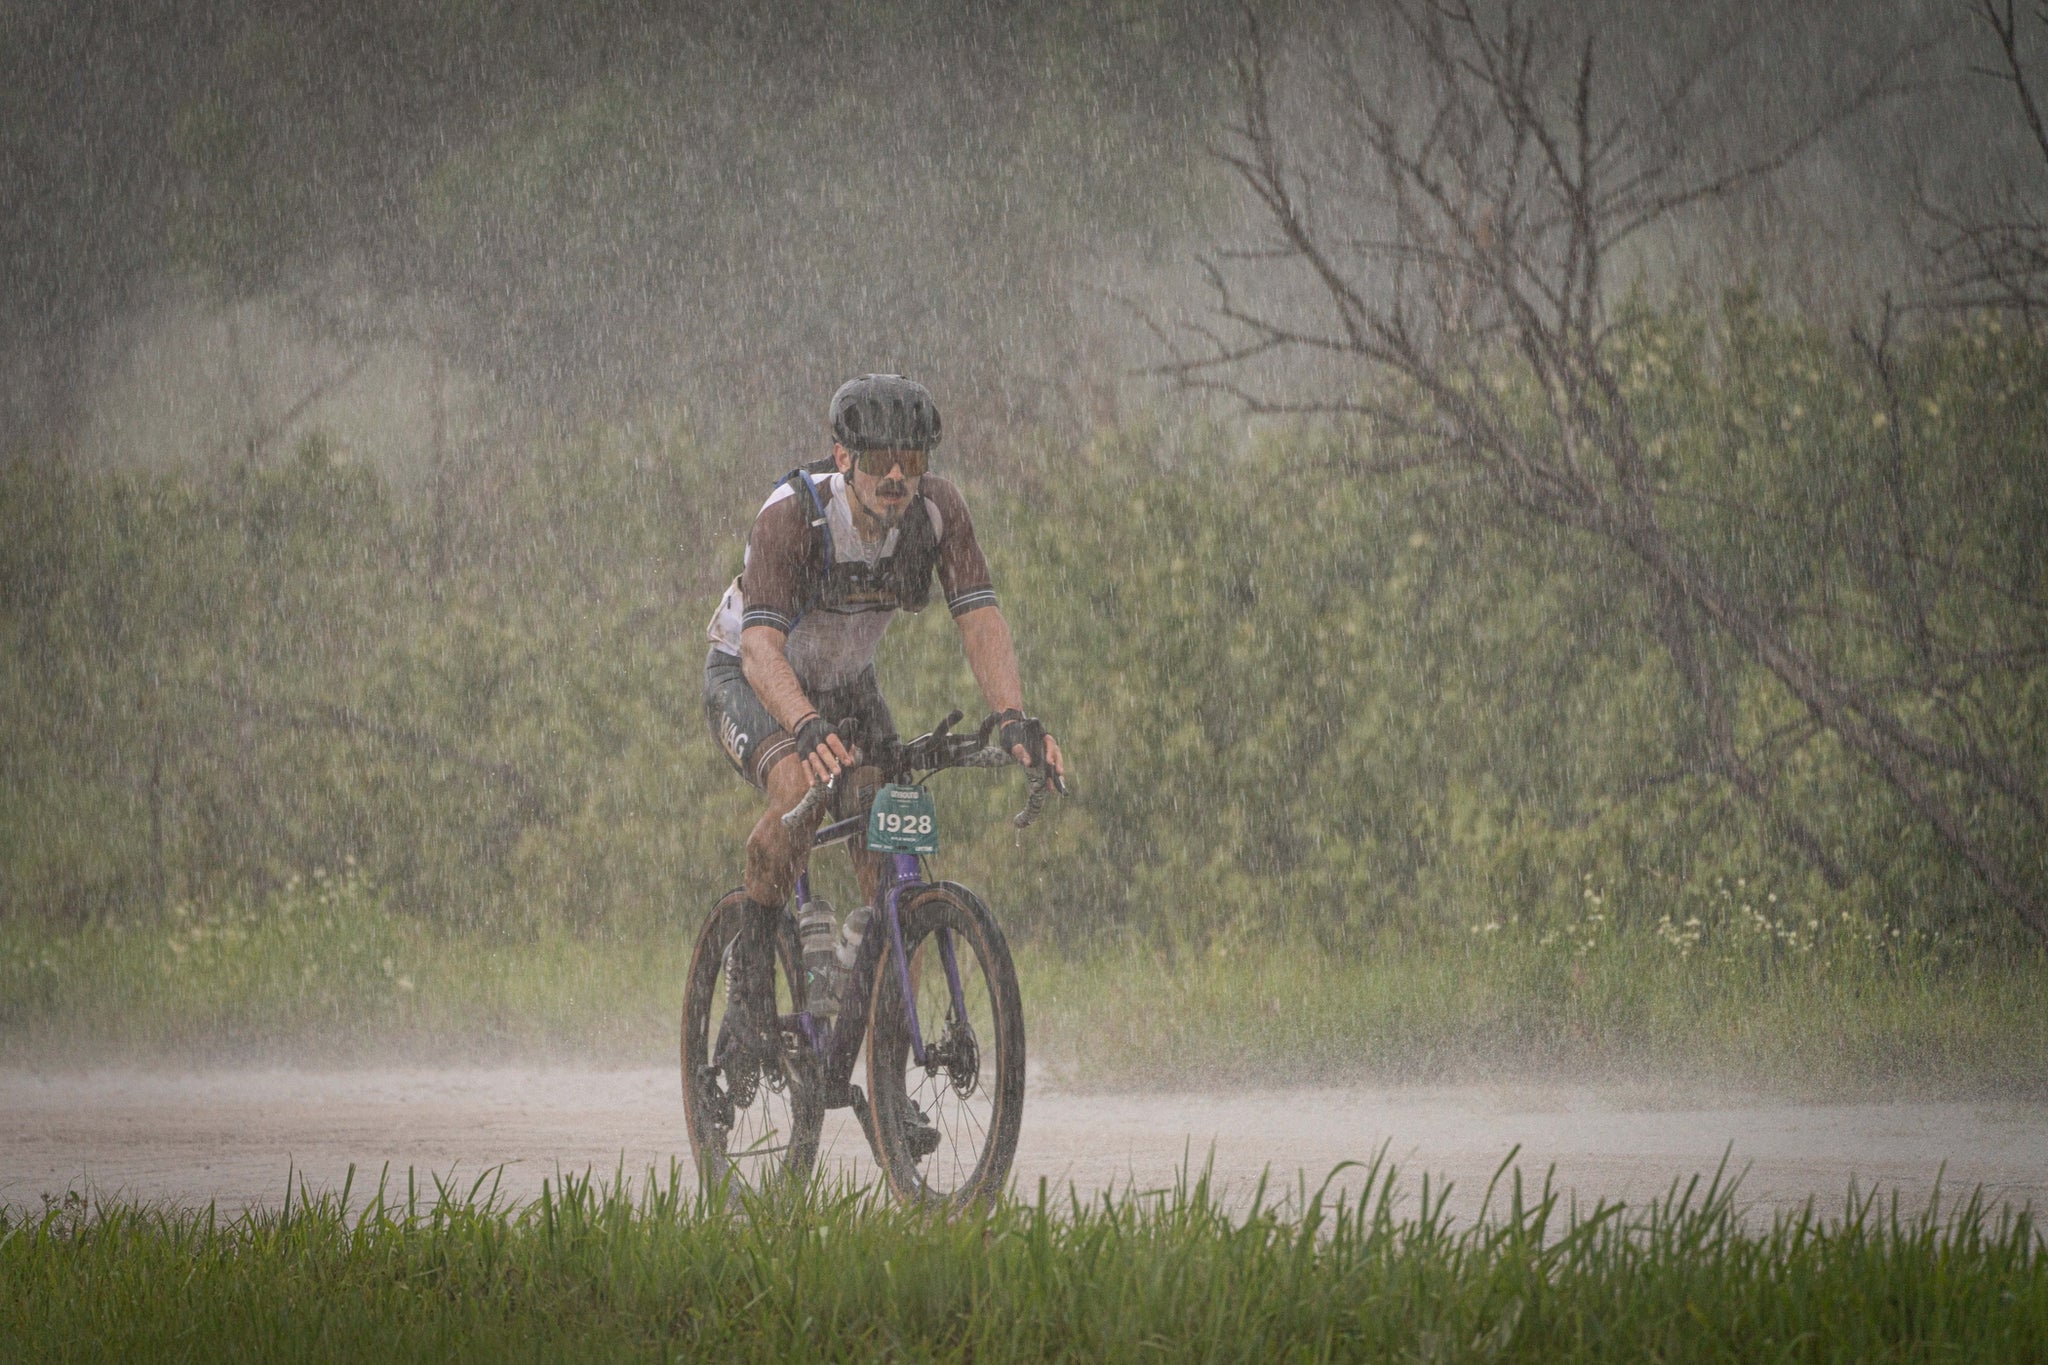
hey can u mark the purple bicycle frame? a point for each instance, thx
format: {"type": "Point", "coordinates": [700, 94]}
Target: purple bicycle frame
{"type": "Point", "coordinates": [836, 1043]}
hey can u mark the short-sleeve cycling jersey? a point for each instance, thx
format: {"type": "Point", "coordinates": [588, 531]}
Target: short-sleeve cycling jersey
{"type": "Point", "coordinates": [835, 615]}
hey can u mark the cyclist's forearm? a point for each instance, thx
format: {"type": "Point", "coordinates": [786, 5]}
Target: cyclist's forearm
{"type": "Point", "coordinates": [769, 674]}
{"type": "Point", "coordinates": [993, 657]}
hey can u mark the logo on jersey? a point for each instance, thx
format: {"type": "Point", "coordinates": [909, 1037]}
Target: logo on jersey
{"type": "Point", "coordinates": [860, 587]}
{"type": "Point", "coordinates": [734, 739]}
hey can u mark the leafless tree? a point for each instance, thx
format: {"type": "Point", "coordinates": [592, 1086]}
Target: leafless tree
{"type": "Point", "coordinates": [1458, 229]}
{"type": "Point", "coordinates": [1994, 253]}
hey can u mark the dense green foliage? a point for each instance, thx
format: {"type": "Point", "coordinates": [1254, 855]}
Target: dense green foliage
{"type": "Point", "coordinates": [217, 684]}
{"type": "Point", "coordinates": [1297, 699]}
{"type": "Point", "coordinates": [329, 973]}
{"type": "Point", "coordinates": [602, 1273]}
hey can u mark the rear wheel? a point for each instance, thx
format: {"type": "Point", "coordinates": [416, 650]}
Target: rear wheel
{"type": "Point", "coordinates": [750, 1093]}
{"type": "Point", "coordinates": [946, 1128]}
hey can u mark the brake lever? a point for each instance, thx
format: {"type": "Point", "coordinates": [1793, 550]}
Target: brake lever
{"type": "Point", "coordinates": [817, 794]}
{"type": "Point", "coordinates": [1037, 786]}
{"type": "Point", "coordinates": [812, 799]}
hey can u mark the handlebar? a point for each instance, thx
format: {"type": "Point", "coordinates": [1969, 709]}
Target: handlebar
{"type": "Point", "coordinates": [936, 750]}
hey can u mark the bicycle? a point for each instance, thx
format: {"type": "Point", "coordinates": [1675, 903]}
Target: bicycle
{"type": "Point", "coordinates": [945, 1048]}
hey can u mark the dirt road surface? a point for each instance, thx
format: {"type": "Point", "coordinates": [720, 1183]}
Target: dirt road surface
{"type": "Point", "coordinates": [231, 1137]}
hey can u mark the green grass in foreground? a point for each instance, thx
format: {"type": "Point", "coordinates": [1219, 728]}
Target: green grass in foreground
{"type": "Point", "coordinates": [326, 975]}
{"type": "Point", "coordinates": [590, 1272]}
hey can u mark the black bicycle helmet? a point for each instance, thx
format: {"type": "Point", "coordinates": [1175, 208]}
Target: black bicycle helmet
{"type": "Point", "coordinates": [884, 412]}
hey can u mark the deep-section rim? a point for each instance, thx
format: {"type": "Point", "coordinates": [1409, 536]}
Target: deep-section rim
{"type": "Point", "coordinates": [976, 932]}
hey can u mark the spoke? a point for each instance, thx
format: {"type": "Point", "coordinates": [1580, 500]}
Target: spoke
{"type": "Point", "coordinates": [963, 1124]}
{"type": "Point", "coordinates": [956, 1157]}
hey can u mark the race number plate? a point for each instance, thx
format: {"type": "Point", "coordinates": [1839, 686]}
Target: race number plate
{"type": "Point", "coordinates": [903, 821]}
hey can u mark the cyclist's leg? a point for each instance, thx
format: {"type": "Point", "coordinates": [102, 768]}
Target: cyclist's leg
{"type": "Point", "coordinates": [861, 713]}
{"type": "Point", "coordinates": [775, 854]}
{"type": "Point", "coordinates": [772, 864]}
{"type": "Point", "coordinates": [867, 867]}
{"type": "Point", "coordinates": [765, 754]}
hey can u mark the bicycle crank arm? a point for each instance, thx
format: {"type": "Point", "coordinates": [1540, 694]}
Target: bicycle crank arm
{"type": "Point", "coordinates": [859, 1102]}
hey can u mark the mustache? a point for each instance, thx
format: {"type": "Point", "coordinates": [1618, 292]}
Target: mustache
{"type": "Point", "coordinates": [891, 487]}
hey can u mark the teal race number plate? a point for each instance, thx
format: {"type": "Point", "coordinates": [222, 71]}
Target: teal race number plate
{"type": "Point", "coordinates": [903, 821]}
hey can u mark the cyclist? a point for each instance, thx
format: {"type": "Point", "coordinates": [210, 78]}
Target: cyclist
{"type": "Point", "coordinates": [789, 684]}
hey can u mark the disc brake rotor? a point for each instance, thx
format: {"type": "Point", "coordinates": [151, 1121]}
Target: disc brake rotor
{"type": "Point", "coordinates": [959, 1056]}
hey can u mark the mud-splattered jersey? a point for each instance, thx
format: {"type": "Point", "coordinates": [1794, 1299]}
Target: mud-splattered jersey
{"type": "Point", "coordinates": [835, 615]}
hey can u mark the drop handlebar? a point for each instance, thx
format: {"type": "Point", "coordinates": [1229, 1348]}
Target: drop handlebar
{"type": "Point", "coordinates": [940, 749]}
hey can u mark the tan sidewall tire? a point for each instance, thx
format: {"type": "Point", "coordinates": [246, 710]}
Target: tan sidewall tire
{"type": "Point", "coordinates": [924, 910]}
{"type": "Point", "coordinates": [699, 988]}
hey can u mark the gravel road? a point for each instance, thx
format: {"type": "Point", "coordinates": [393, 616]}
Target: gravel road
{"type": "Point", "coordinates": [231, 1137]}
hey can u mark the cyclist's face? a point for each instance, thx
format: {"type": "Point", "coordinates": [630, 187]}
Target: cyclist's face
{"type": "Point", "coordinates": [886, 492]}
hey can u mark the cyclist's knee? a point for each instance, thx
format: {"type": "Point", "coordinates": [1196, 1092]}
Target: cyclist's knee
{"type": "Point", "coordinates": [771, 862]}
{"type": "Point", "coordinates": [772, 851]}
{"type": "Point", "coordinates": [786, 784]}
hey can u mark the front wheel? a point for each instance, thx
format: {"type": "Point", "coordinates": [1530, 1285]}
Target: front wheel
{"type": "Point", "coordinates": [751, 1097]}
{"type": "Point", "coordinates": [946, 1128]}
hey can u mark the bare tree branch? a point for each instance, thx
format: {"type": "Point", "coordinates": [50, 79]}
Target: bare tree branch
{"type": "Point", "coordinates": [255, 443]}
{"type": "Point", "coordinates": [1997, 254]}
{"type": "Point", "coordinates": [2004, 23]}
{"type": "Point", "coordinates": [1465, 231]}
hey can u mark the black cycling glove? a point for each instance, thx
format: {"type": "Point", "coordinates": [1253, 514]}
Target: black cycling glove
{"type": "Point", "coordinates": [812, 734]}
{"type": "Point", "coordinates": [1015, 729]}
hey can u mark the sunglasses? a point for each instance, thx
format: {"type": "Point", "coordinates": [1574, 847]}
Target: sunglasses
{"type": "Point", "coordinates": [876, 463]}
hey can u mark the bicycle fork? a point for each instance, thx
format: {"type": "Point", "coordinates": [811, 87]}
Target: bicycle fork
{"type": "Point", "coordinates": [834, 1042]}
{"type": "Point", "coordinates": [906, 874]}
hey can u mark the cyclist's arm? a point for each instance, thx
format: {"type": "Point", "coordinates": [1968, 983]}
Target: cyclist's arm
{"type": "Point", "coordinates": [971, 596]}
{"type": "Point", "coordinates": [767, 671]}
{"type": "Point", "coordinates": [992, 654]}
{"type": "Point", "coordinates": [777, 550]}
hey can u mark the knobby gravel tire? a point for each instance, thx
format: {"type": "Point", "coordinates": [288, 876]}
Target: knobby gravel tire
{"type": "Point", "coordinates": [976, 1116]}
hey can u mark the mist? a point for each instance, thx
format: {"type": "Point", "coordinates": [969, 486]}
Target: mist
{"type": "Point", "coordinates": [594, 213]}
{"type": "Point", "coordinates": [386, 393]}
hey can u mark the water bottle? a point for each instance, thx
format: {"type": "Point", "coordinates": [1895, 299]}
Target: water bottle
{"type": "Point", "coordinates": [817, 929]}
{"type": "Point", "coordinates": [850, 937]}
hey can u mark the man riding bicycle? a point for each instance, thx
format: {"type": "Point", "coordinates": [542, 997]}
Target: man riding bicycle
{"type": "Point", "coordinates": [789, 684]}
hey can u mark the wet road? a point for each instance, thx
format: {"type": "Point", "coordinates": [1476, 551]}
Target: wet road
{"type": "Point", "coordinates": [232, 1137]}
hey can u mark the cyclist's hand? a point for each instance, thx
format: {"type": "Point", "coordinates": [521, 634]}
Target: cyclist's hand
{"type": "Point", "coordinates": [1055, 764]}
{"type": "Point", "coordinates": [1031, 745]}
{"type": "Point", "coordinates": [824, 752]}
